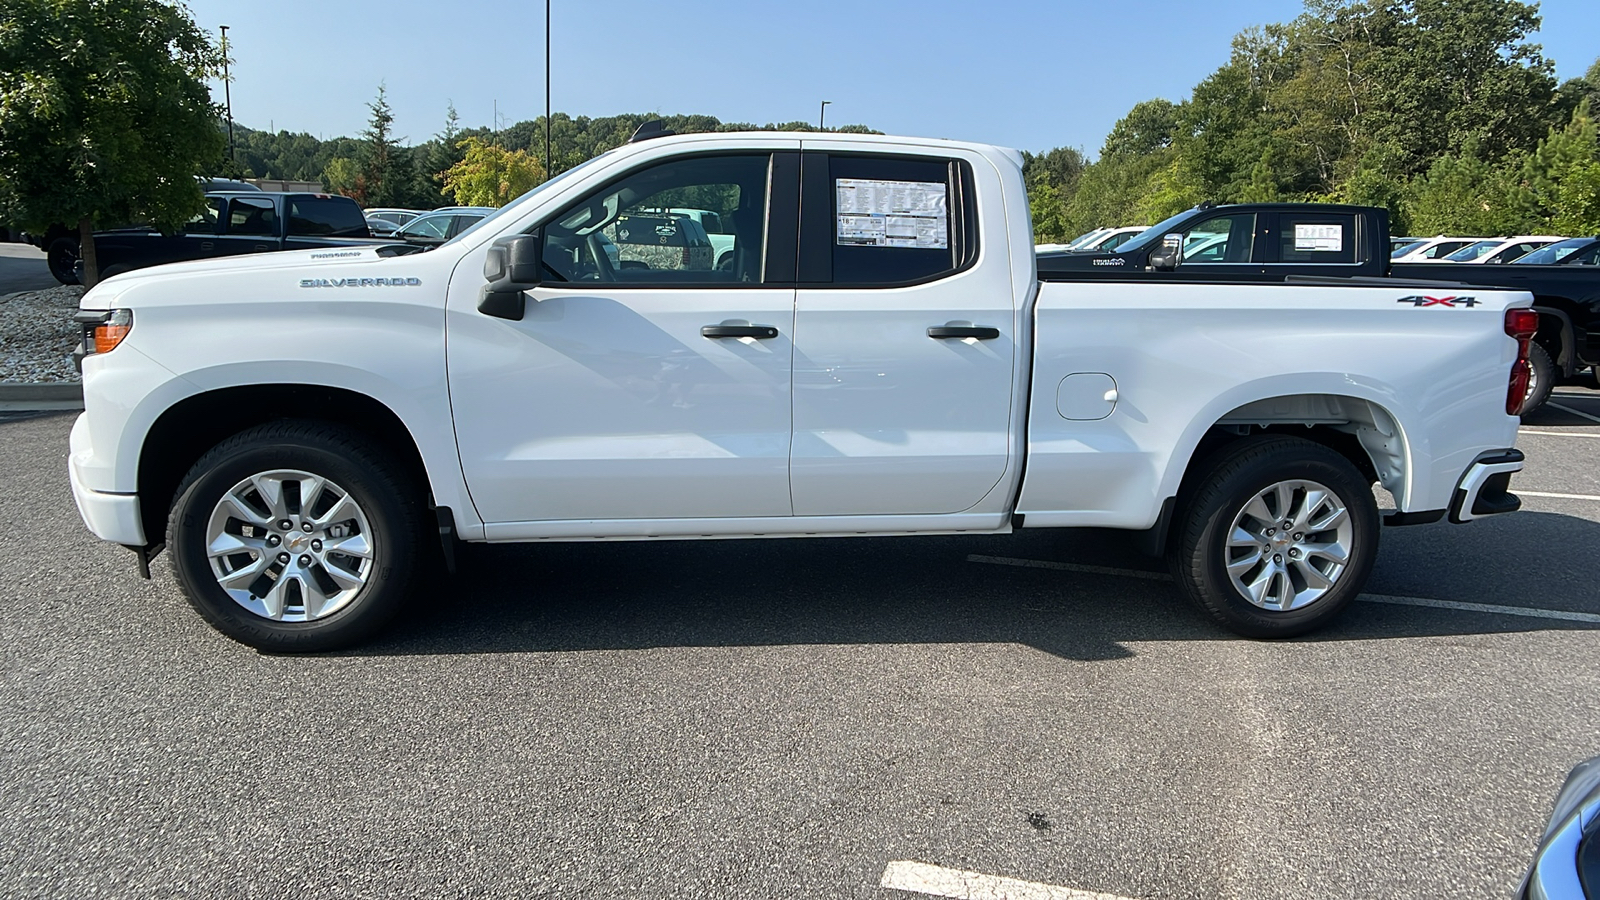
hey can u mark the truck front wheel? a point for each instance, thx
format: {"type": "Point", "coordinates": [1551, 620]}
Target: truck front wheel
{"type": "Point", "coordinates": [1278, 537]}
{"type": "Point", "coordinates": [294, 537]}
{"type": "Point", "coordinates": [62, 258]}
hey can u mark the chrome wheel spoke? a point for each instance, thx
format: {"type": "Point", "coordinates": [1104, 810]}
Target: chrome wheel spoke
{"type": "Point", "coordinates": [271, 490]}
{"type": "Point", "coordinates": [340, 511]}
{"type": "Point", "coordinates": [1243, 537]}
{"type": "Point", "coordinates": [1332, 518]}
{"type": "Point", "coordinates": [1331, 552]}
{"type": "Point", "coordinates": [345, 579]}
{"type": "Point", "coordinates": [226, 544]}
{"type": "Point", "coordinates": [1257, 509]}
{"type": "Point", "coordinates": [310, 490]}
{"type": "Point", "coordinates": [1283, 494]}
{"type": "Point", "coordinates": [1313, 576]}
{"type": "Point", "coordinates": [354, 545]}
{"type": "Point", "coordinates": [239, 579]}
{"type": "Point", "coordinates": [1239, 568]}
{"type": "Point", "coordinates": [275, 597]}
{"type": "Point", "coordinates": [244, 511]}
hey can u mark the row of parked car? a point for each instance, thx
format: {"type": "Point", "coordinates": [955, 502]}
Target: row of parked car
{"type": "Point", "coordinates": [1528, 249]}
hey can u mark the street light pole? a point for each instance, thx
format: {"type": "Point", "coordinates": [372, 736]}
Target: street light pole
{"type": "Point", "coordinates": [227, 94]}
{"type": "Point", "coordinates": [549, 166]}
{"type": "Point", "coordinates": [823, 114]}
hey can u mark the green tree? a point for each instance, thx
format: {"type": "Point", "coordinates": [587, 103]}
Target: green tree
{"type": "Point", "coordinates": [1463, 193]}
{"type": "Point", "coordinates": [491, 175]}
{"type": "Point", "coordinates": [343, 176]}
{"type": "Point", "coordinates": [104, 115]}
{"type": "Point", "coordinates": [1561, 176]}
{"type": "Point", "coordinates": [382, 170]}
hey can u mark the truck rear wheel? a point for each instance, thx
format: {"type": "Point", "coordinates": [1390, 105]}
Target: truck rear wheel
{"type": "Point", "coordinates": [1542, 379]}
{"type": "Point", "coordinates": [1278, 537]}
{"type": "Point", "coordinates": [294, 536]}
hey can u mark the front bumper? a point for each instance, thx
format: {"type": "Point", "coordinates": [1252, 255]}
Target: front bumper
{"type": "Point", "coordinates": [1483, 490]}
{"type": "Point", "coordinates": [112, 517]}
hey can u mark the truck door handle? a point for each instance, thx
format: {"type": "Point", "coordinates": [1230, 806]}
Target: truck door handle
{"type": "Point", "coordinates": [980, 332]}
{"type": "Point", "coordinates": [206, 245]}
{"type": "Point", "coordinates": [759, 332]}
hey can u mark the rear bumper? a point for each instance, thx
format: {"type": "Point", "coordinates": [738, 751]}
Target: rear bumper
{"type": "Point", "coordinates": [1484, 488]}
{"type": "Point", "coordinates": [112, 517]}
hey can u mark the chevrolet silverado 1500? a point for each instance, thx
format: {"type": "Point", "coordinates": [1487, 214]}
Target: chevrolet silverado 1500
{"type": "Point", "coordinates": [879, 356]}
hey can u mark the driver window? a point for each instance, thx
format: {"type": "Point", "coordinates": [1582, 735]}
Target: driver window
{"type": "Point", "coordinates": [688, 221]}
{"type": "Point", "coordinates": [205, 221]}
{"type": "Point", "coordinates": [1220, 239]}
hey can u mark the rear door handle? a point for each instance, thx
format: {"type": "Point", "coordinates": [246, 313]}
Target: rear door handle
{"type": "Point", "coordinates": [980, 332]}
{"type": "Point", "coordinates": [759, 332]}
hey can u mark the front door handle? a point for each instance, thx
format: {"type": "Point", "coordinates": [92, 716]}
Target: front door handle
{"type": "Point", "coordinates": [759, 332]}
{"type": "Point", "coordinates": [980, 332]}
{"type": "Point", "coordinates": [207, 245]}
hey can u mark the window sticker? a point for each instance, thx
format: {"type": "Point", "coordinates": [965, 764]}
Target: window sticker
{"type": "Point", "coordinates": [1320, 238]}
{"type": "Point", "coordinates": [891, 214]}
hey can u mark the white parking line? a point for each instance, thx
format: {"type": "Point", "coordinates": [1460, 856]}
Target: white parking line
{"type": "Point", "coordinates": [937, 881]}
{"type": "Point", "coordinates": [1556, 496]}
{"type": "Point", "coordinates": [1583, 434]}
{"type": "Point", "coordinates": [1386, 599]}
{"type": "Point", "coordinates": [1575, 412]}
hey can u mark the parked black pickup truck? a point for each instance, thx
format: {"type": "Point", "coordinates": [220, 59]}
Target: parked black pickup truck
{"type": "Point", "coordinates": [236, 222]}
{"type": "Point", "coordinates": [1274, 241]}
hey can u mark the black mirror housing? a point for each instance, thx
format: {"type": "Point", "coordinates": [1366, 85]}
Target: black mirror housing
{"type": "Point", "coordinates": [1166, 256]}
{"type": "Point", "coordinates": [514, 264]}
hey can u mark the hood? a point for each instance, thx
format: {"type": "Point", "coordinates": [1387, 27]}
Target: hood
{"type": "Point", "coordinates": [102, 295]}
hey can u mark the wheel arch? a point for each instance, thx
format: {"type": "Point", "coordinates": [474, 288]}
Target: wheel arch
{"type": "Point", "coordinates": [1556, 333]}
{"type": "Point", "coordinates": [183, 432]}
{"type": "Point", "coordinates": [1360, 429]}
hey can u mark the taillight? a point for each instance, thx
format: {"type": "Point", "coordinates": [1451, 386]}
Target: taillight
{"type": "Point", "coordinates": [1521, 324]}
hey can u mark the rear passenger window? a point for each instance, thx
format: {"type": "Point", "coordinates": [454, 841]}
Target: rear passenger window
{"type": "Point", "coordinates": [892, 220]}
{"type": "Point", "coordinates": [333, 216]}
{"type": "Point", "coordinates": [1319, 238]}
{"type": "Point", "coordinates": [249, 216]}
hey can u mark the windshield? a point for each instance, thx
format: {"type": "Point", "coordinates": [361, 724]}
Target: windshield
{"type": "Point", "coordinates": [525, 198]}
{"type": "Point", "coordinates": [1403, 249]}
{"type": "Point", "coordinates": [1550, 254]}
{"type": "Point", "coordinates": [1154, 231]}
{"type": "Point", "coordinates": [1474, 251]}
{"type": "Point", "coordinates": [1083, 237]}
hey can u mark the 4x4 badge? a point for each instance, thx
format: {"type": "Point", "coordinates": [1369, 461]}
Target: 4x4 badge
{"type": "Point", "coordinates": [1420, 300]}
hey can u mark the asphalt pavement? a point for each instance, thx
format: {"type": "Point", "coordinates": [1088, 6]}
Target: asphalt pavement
{"type": "Point", "coordinates": [23, 268]}
{"type": "Point", "coordinates": [777, 719]}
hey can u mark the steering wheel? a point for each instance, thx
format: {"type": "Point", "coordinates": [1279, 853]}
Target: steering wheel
{"type": "Point", "coordinates": [602, 262]}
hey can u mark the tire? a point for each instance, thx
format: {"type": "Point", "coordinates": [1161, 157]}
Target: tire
{"type": "Point", "coordinates": [1543, 379]}
{"type": "Point", "coordinates": [1252, 484]}
{"type": "Point", "coordinates": [62, 257]}
{"type": "Point", "coordinates": [352, 543]}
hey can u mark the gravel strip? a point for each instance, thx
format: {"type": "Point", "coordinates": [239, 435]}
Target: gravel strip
{"type": "Point", "coordinates": [37, 335]}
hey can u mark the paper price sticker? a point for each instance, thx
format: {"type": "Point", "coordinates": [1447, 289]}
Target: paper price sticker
{"type": "Point", "coordinates": [1319, 238]}
{"type": "Point", "coordinates": [873, 213]}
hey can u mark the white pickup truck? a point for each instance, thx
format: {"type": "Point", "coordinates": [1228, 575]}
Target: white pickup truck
{"type": "Point", "coordinates": [301, 430]}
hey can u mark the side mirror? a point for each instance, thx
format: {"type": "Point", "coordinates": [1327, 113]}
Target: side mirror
{"type": "Point", "coordinates": [514, 264]}
{"type": "Point", "coordinates": [1166, 257]}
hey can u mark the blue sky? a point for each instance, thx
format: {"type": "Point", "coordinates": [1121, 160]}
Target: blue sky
{"type": "Point", "coordinates": [1032, 74]}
